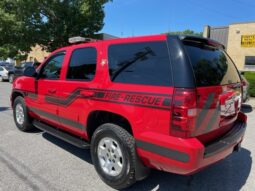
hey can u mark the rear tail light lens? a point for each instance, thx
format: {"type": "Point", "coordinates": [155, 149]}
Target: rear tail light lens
{"type": "Point", "coordinates": [184, 112]}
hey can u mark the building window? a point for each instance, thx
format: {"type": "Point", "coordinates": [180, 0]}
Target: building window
{"type": "Point", "coordinates": [249, 62]}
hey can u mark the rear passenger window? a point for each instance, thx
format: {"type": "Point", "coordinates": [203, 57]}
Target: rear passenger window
{"type": "Point", "coordinates": [82, 65]}
{"type": "Point", "coordinates": [144, 63]}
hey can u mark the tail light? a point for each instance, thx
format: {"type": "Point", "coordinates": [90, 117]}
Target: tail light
{"type": "Point", "coordinates": [184, 112]}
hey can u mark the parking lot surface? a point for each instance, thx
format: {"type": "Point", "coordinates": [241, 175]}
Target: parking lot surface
{"type": "Point", "coordinates": [39, 161]}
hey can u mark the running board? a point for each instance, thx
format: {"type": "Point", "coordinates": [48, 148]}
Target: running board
{"type": "Point", "coordinates": [76, 141]}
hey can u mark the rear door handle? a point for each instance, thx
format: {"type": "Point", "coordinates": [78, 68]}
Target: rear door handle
{"type": "Point", "coordinates": [52, 91]}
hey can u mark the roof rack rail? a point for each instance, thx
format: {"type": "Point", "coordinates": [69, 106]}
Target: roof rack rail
{"type": "Point", "coordinates": [79, 39]}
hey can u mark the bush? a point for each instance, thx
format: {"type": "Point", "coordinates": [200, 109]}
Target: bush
{"type": "Point", "coordinates": [250, 76]}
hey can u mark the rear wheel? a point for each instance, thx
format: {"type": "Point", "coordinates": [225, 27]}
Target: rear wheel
{"type": "Point", "coordinates": [22, 120]}
{"type": "Point", "coordinates": [114, 157]}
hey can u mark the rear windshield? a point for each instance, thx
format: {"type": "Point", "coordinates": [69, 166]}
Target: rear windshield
{"type": "Point", "coordinates": [211, 65]}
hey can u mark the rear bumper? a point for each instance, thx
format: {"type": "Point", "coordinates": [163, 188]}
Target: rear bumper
{"type": "Point", "coordinates": [227, 140]}
{"type": "Point", "coordinates": [186, 156]}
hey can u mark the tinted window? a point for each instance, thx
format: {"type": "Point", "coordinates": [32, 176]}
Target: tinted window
{"type": "Point", "coordinates": [83, 64]}
{"type": "Point", "coordinates": [211, 65]}
{"type": "Point", "coordinates": [52, 68]}
{"type": "Point", "coordinates": [26, 64]}
{"type": "Point", "coordinates": [249, 62]}
{"type": "Point", "coordinates": [140, 63]}
{"type": "Point", "coordinates": [1, 69]}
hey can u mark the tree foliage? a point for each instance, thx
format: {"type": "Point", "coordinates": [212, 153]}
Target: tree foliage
{"type": "Point", "coordinates": [49, 23]}
{"type": "Point", "coordinates": [250, 76]}
{"type": "Point", "coordinates": [187, 32]}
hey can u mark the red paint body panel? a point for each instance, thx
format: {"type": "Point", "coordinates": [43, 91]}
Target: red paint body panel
{"type": "Point", "coordinates": [150, 122]}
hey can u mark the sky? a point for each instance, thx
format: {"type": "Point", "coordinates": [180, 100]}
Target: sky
{"type": "Point", "coordinates": [124, 18]}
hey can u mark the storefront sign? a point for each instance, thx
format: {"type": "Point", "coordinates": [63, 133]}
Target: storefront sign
{"type": "Point", "coordinates": [248, 40]}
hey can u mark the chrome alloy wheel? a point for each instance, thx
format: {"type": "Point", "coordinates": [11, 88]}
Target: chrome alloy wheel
{"type": "Point", "coordinates": [20, 117]}
{"type": "Point", "coordinates": [110, 156]}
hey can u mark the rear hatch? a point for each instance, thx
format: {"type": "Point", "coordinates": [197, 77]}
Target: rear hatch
{"type": "Point", "coordinates": [218, 88]}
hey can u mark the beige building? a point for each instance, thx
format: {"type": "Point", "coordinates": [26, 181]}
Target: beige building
{"type": "Point", "coordinates": [239, 40]}
{"type": "Point", "coordinates": [37, 54]}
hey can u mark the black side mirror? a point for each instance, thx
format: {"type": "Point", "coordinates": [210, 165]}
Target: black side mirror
{"type": "Point", "coordinates": [30, 72]}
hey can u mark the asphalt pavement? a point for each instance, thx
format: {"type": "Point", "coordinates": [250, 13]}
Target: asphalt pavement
{"type": "Point", "coordinates": [39, 161]}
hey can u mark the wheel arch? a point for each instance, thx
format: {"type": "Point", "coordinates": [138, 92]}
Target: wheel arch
{"type": "Point", "coordinates": [15, 94]}
{"type": "Point", "coordinates": [99, 117]}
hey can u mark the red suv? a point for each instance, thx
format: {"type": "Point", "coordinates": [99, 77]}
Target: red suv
{"type": "Point", "coordinates": [166, 102]}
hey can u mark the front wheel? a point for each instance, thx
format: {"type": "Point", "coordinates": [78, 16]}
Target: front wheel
{"type": "Point", "coordinates": [114, 157]}
{"type": "Point", "coordinates": [22, 120]}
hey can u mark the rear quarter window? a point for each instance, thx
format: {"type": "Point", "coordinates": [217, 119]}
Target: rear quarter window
{"type": "Point", "coordinates": [211, 65]}
{"type": "Point", "coordinates": [145, 63]}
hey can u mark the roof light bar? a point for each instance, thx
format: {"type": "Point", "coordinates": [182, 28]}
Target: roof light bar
{"type": "Point", "coordinates": [79, 39]}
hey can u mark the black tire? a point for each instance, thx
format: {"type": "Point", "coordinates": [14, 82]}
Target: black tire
{"type": "Point", "coordinates": [127, 145]}
{"type": "Point", "coordinates": [11, 77]}
{"type": "Point", "coordinates": [27, 124]}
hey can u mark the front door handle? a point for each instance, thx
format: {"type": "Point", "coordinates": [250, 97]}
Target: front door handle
{"type": "Point", "coordinates": [52, 91]}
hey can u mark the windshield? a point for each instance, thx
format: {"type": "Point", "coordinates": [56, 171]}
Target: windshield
{"type": "Point", "coordinates": [211, 65]}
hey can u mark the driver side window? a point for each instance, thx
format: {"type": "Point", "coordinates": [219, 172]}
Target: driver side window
{"type": "Point", "coordinates": [51, 69]}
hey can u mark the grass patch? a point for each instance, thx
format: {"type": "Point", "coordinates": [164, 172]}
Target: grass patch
{"type": "Point", "coordinates": [250, 76]}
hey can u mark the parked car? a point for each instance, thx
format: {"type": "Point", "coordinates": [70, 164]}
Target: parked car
{"type": "Point", "coordinates": [6, 72]}
{"type": "Point", "coordinates": [166, 102]}
{"type": "Point", "coordinates": [245, 86]}
{"type": "Point", "coordinates": [19, 70]}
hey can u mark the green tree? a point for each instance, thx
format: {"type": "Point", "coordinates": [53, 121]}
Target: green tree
{"type": "Point", "coordinates": [250, 76]}
{"type": "Point", "coordinates": [49, 23]}
{"type": "Point", "coordinates": [187, 31]}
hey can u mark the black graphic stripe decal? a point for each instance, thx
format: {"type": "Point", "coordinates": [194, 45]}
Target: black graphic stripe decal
{"type": "Point", "coordinates": [139, 105]}
{"type": "Point", "coordinates": [32, 95]}
{"type": "Point", "coordinates": [205, 110]}
{"type": "Point", "coordinates": [57, 118]}
{"type": "Point", "coordinates": [163, 151]}
{"type": "Point", "coordinates": [127, 92]}
{"type": "Point", "coordinates": [140, 99]}
{"type": "Point", "coordinates": [27, 93]}
{"type": "Point", "coordinates": [213, 119]}
{"type": "Point", "coordinates": [74, 95]}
